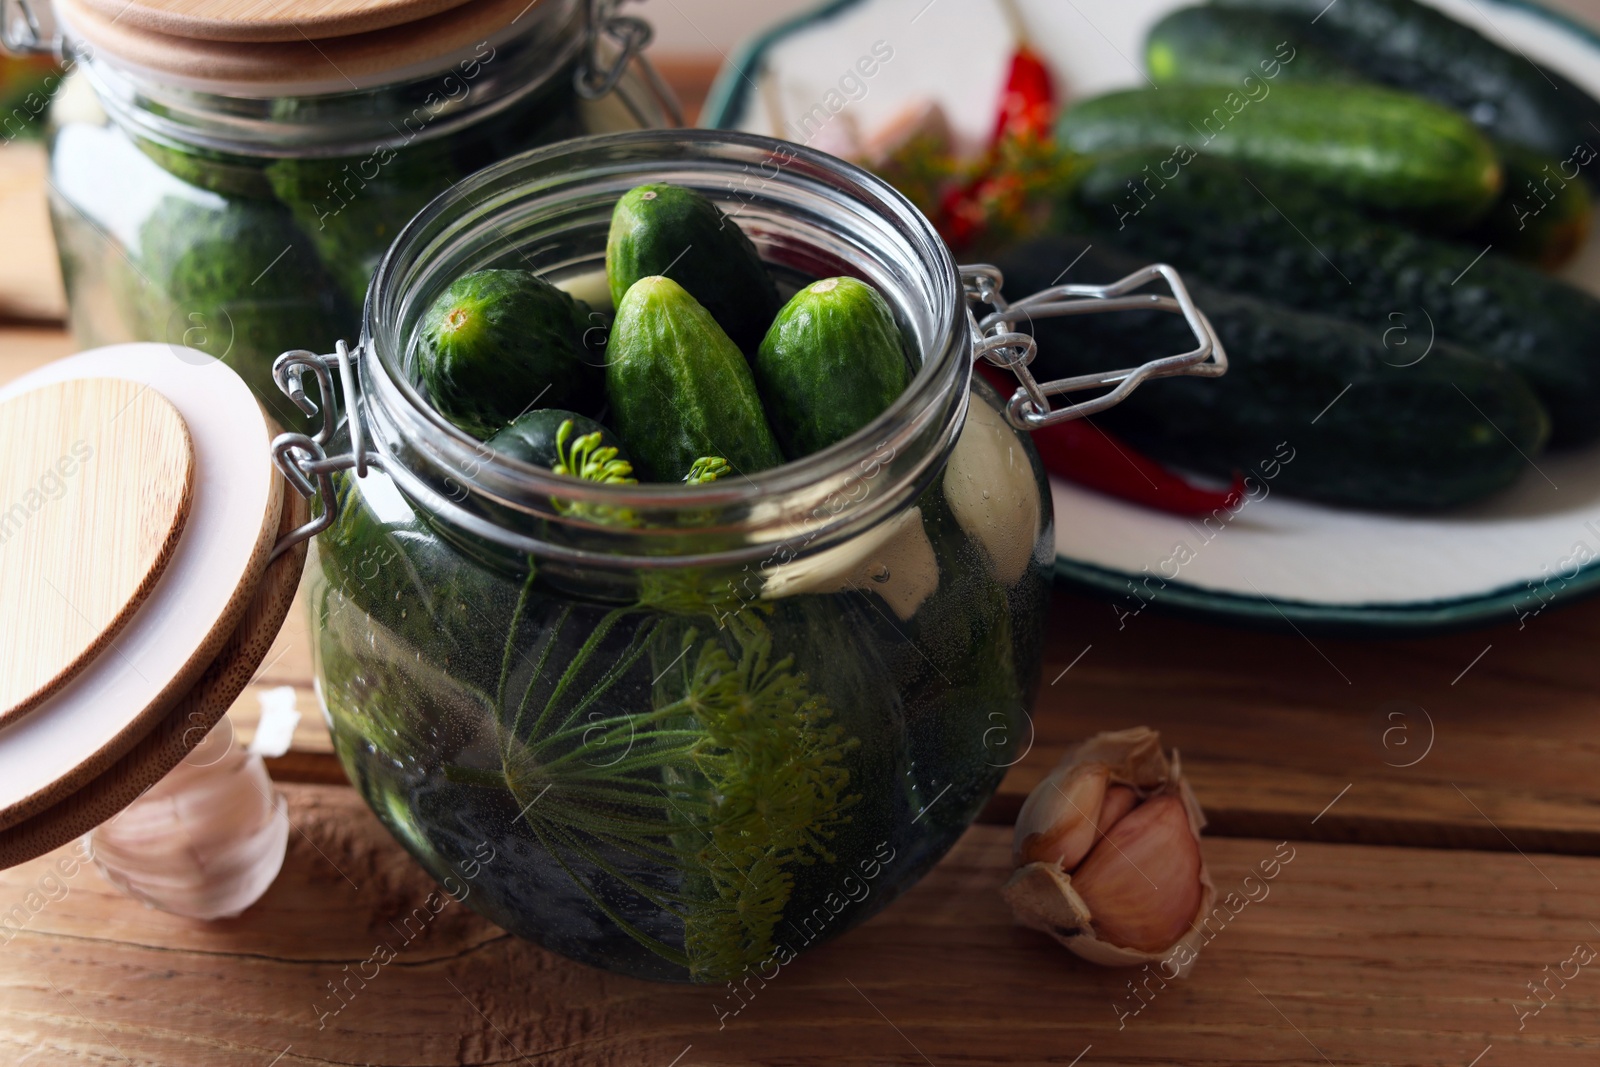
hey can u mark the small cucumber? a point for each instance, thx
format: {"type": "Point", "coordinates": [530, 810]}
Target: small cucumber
{"type": "Point", "coordinates": [1417, 47]}
{"type": "Point", "coordinates": [1207, 219]}
{"type": "Point", "coordinates": [1542, 217]}
{"type": "Point", "coordinates": [830, 364]}
{"type": "Point", "coordinates": [680, 389]}
{"type": "Point", "coordinates": [531, 437]}
{"type": "Point", "coordinates": [499, 341]}
{"type": "Point", "coordinates": [666, 230]}
{"type": "Point", "coordinates": [1368, 145]}
{"type": "Point", "coordinates": [1223, 46]}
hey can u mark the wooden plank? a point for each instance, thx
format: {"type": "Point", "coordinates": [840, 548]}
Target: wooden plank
{"type": "Point", "coordinates": [26, 348]}
{"type": "Point", "coordinates": [30, 275]}
{"type": "Point", "coordinates": [1353, 954]}
{"type": "Point", "coordinates": [1274, 727]}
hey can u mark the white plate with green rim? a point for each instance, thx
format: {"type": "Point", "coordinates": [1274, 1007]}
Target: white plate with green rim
{"type": "Point", "coordinates": [1277, 561]}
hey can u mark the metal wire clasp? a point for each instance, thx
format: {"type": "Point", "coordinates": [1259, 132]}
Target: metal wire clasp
{"type": "Point", "coordinates": [304, 461]}
{"type": "Point", "coordinates": [28, 27]}
{"type": "Point", "coordinates": [1029, 407]}
{"type": "Point", "coordinates": [597, 76]}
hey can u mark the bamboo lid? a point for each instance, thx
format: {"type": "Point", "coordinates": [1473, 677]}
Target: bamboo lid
{"type": "Point", "coordinates": [185, 727]}
{"type": "Point", "coordinates": [245, 57]}
{"type": "Point", "coordinates": [266, 20]}
{"type": "Point", "coordinates": [82, 542]}
{"type": "Point", "coordinates": [172, 628]}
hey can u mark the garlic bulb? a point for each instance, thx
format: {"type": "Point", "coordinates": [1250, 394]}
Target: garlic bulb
{"type": "Point", "coordinates": [1107, 855]}
{"type": "Point", "coordinates": [204, 842]}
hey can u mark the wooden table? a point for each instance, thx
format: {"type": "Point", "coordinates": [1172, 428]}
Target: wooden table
{"type": "Point", "coordinates": [1440, 796]}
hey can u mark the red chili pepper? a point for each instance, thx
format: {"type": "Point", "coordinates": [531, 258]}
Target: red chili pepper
{"type": "Point", "coordinates": [1028, 105]}
{"type": "Point", "coordinates": [1027, 112]}
{"type": "Point", "coordinates": [1082, 452]}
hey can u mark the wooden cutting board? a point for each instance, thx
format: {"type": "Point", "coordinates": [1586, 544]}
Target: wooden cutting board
{"type": "Point", "coordinates": [94, 492]}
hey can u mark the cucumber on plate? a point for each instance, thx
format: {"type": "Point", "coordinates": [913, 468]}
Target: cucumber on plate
{"type": "Point", "coordinates": [1292, 246]}
{"type": "Point", "coordinates": [1365, 144]}
{"type": "Point", "coordinates": [1418, 48]}
{"type": "Point", "coordinates": [1367, 423]}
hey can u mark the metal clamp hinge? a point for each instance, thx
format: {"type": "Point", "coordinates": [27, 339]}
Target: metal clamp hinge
{"type": "Point", "coordinates": [28, 27]}
{"type": "Point", "coordinates": [597, 77]}
{"type": "Point", "coordinates": [303, 460]}
{"type": "Point", "coordinates": [1002, 345]}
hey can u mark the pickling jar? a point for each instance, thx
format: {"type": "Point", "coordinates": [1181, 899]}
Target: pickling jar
{"type": "Point", "coordinates": [229, 185]}
{"type": "Point", "coordinates": [687, 732]}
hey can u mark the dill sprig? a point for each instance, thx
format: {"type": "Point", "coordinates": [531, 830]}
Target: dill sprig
{"type": "Point", "coordinates": [706, 470]}
{"type": "Point", "coordinates": [732, 778]}
{"type": "Point", "coordinates": [587, 457]}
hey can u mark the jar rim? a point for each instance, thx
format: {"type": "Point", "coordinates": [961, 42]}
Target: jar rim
{"type": "Point", "coordinates": [907, 440]}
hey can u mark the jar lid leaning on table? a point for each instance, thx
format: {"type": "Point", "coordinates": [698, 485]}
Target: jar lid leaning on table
{"type": "Point", "coordinates": [225, 176]}
{"type": "Point", "coordinates": [145, 571]}
{"type": "Point", "coordinates": [677, 725]}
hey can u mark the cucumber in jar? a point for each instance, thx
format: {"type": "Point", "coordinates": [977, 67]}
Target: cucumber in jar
{"type": "Point", "coordinates": [496, 343]}
{"type": "Point", "coordinates": [237, 280]}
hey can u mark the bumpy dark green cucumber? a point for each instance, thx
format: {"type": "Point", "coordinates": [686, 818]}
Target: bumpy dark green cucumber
{"type": "Point", "coordinates": [353, 208]}
{"type": "Point", "coordinates": [1365, 144]}
{"type": "Point", "coordinates": [679, 387]}
{"type": "Point", "coordinates": [830, 364]}
{"type": "Point", "coordinates": [1223, 46]}
{"type": "Point", "coordinates": [210, 170]}
{"type": "Point", "coordinates": [497, 342]}
{"type": "Point", "coordinates": [238, 281]}
{"type": "Point", "coordinates": [1368, 422]}
{"type": "Point", "coordinates": [1541, 217]}
{"type": "Point", "coordinates": [1416, 47]}
{"type": "Point", "coordinates": [531, 437]}
{"type": "Point", "coordinates": [678, 233]}
{"type": "Point", "coordinates": [1299, 250]}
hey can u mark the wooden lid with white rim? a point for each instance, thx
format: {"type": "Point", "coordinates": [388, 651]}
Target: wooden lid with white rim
{"type": "Point", "coordinates": [266, 20]}
{"type": "Point", "coordinates": [188, 508]}
{"type": "Point", "coordinates": [272, 51]}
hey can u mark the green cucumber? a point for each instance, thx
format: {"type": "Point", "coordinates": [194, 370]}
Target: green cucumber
{"type": "Point", "coordinates": [1208, 219]}
{"type": "Point", "coordinates": [1367, 422]}
{"type": "Point", "coordinates": [1222, 46]}
{"type": "Point", "coordinates": [679, 387]}
{"type": "Point", "coordinates": [831, 363]}
{"type": "Point", "coordinates": [354, 208]}
{"type": "Point", "coordinates": [531, 437]}
{"type": "Point", "coordinates": [239, 281]}
{"type": "Point", "coordinates": [1368, 145]}
{"type": "Point", "coordinates": [1542, 215]}
{"type": "Point", "coordinates": [678, 233]}
{"type": "Point", "coordinates": [1416, 47]}
{"type": "Point", "coordinates": [496, 342]}
{"type": "Point", "coordinates": [1541, 218]}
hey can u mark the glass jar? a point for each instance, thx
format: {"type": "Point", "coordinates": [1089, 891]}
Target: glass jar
{"type": "Point", "coordinates": [245, 218]}
{"type": "Point", "coordinates": [680, 732]}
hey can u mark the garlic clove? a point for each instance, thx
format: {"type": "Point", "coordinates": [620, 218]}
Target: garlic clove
{"type": "Point", "coordinates": [1119, 801]}
{"type": "Point", "coordinates": [1142, 882]}
{"type": "Point", "coordinates": [1060, 820]}
{"type": "Point", "coordinates": [1125, 911]}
